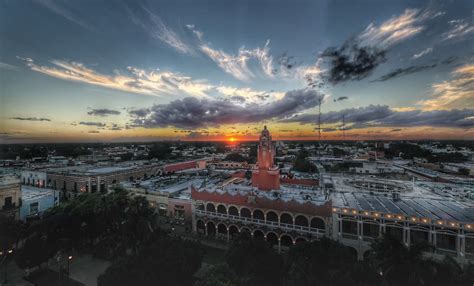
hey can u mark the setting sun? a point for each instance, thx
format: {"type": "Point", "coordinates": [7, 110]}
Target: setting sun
{"type": "Point", "coordinates": [232, 139]}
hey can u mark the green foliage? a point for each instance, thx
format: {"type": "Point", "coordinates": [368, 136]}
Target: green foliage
{"type": "Point", "coordinates": [301, 164]}
{"type": "Point", "coordinates": [36, 251]}
{"type": "Point", "coordinates": [160, 151]}
{"type": "Point", "coordinates": [320, 262]}
{"type": "Point", "coordinates": [406, 151]}
{"type": "Point", "coordinates": [110, 223]}
{"type": "Point", "coordinates": [236, 157]}
{"type": "Point", "coordinates": [219, 275]}
{"type": "Point", "coordinates": [162, 261]}
{"type": "Point", "coordinates": [401, 265]}
{"type": "Point", "coordinates": [254, 261]}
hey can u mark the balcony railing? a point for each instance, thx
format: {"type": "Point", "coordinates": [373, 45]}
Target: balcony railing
{"type": "Point", "coordinates": [267, 223]}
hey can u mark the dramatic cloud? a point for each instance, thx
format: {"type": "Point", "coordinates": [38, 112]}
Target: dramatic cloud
{"type": "Point", "coordinates": [93, 132]}
{"type": "Point", "coordinates": [405, 71]}
{"type": "Point", "coordinates": [455, 93]}
{"type": "Point", "coordinates": [358, 57]}
{"type": "Point", "coordinates": [341, 98]}
{"type": "Point", "coordinates": [88, 123]}
{"type": "Point", "coordinates": [30, 119]}
{"type": "Point", "coordinates": [459, 29]}
{"type": "Point", "coordinates": [422, 53]}
{"type": "Point", "coordinates": [103, 112]}
{"type": "Point", "coordinates": [383, 116]}
{"type": "Point", "coordinates": [194, 113]}
{"type": "Point", "coordinates": [351, 62]}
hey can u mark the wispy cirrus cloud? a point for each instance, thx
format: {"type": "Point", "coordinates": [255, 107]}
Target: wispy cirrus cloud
{"type": "Point", "coordinates": [459, 29]}
{"type": "Point", "coordinates": [455, 93]}
{"type": "Point", "coordinates": [147, 82]}
{"type": "Point", "coordinates": [61, 8]}
{"type": "Point", "coordinates": [238, 64]}
{"type": "Point", "coordinates": [396, 29]}
{"type": "Point", "coordinates": [152, 23]}
{"type": "Point", "coordinates": [422, 53]}
{"type": "Point", "coordinates": [136, 80]}
{"type": "Point", "coordinates": [8, 66]}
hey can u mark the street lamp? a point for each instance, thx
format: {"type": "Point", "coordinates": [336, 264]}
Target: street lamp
{"type": "Point", "coordinates": [5, 262]}
{"type": "Point", "coordinates": [69, 258]}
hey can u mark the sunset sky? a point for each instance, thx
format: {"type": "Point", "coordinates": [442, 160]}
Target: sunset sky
{"type": "Point", "coordinates": [87, 71]}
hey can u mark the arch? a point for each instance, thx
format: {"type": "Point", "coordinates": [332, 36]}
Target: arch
{"type": "Point", "coordinates": [317, 222]}
{"type": "Point", "coordinates": [210, 208]}
{"type": "Point", "coordinates": [258, 214]}
{"type": "Point", "coordinates": [272, 216]}
{"type": "Point", "coordinates": [233, 211]}
{"type": "Point", "coordinates": [353, 252]}
{"type": "Point", "coordinates": [286, 240]}
{"type": "Point", "coordinates": [301, 221]}
{"type": "Point", "coordinates": [199, 206]}
{"type": "Point", "coordinates": [245, 212]}
{"type": "Point", "coordinates": [233, 231]}
{"type": "Point", "coordinates": [286, 218]}
{"type": "Point", "coordinates": [245, 229]}
{"type": "Point", "coordinates": [211, 229]}
{"type": "Point", "coordinates": [367, 254]}
{"type": "Point", "coordinates": [300, 240]}
{"type": "Point", "coordinates": [258, 234]}
{"type": "Point", "coordinates": [222, 229]}
{"type": "Point", "coordinates": [200, 226]}
{"type": "Point", "coordinates": [272, 238]}
{"type": "Point", "coordinates": [221, 209]}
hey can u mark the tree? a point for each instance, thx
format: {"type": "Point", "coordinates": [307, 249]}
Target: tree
{"type": "Point", "coordinates": [162, 261]}
{"type": "Point", "coordinates": [35, 252]}
{"type": "Point", "coordinates": [302, 164]}
{"type": "Point", "coordinates": [400, 264]}
{"type": "Point", "coordinates": [254, 261]}
{"type": "Point", "coordinates": [236, 157]}
{"type": "Point", "coordinates": [219, 275]}
{"type": "Point", "coordinates": [318, 263]}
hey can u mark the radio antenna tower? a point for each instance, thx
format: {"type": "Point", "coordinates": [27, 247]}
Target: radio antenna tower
{"type": "Point", "coordinates": [319, 127]}
{"type": "Point", "coordinates": [343, 128]}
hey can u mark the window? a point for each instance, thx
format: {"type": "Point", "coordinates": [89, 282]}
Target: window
{"type": "Point", "coordinates": [8, 202]}
{"type": "Point", "coordinates": [34, 208]}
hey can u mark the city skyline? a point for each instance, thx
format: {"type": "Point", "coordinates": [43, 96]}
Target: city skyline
{"type": "Point", "coordinates": [208, 70]}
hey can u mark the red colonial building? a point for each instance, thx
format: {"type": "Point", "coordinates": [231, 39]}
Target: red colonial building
{"type": "Point", "coordinates": [282, 213]}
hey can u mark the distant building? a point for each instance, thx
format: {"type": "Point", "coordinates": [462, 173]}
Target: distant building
{"type": "Point", "coordinates": [10, 196]}
{"type": "Point", "coordinates": [35, 201]}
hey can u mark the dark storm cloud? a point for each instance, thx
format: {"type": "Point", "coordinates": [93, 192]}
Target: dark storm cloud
{"type": "Point", "coordinates": [405, 71]}
{"type": "Point", "coordinates": [87, 123]}
{"type": "Point", "coordinates": [30, 119]}
{"type": "Point", "coordinates": [351, 61]}
{"type": "Point", "coordinates": [103, 112]}
{"type": "Point", "coordinates": [193, 113]}
{"type": "Point", "coordinates": [396, 130]}
{"type": "Point", "coordinates": [382, 115]}
{"type": "Point", "coordinates": [341, 98]}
